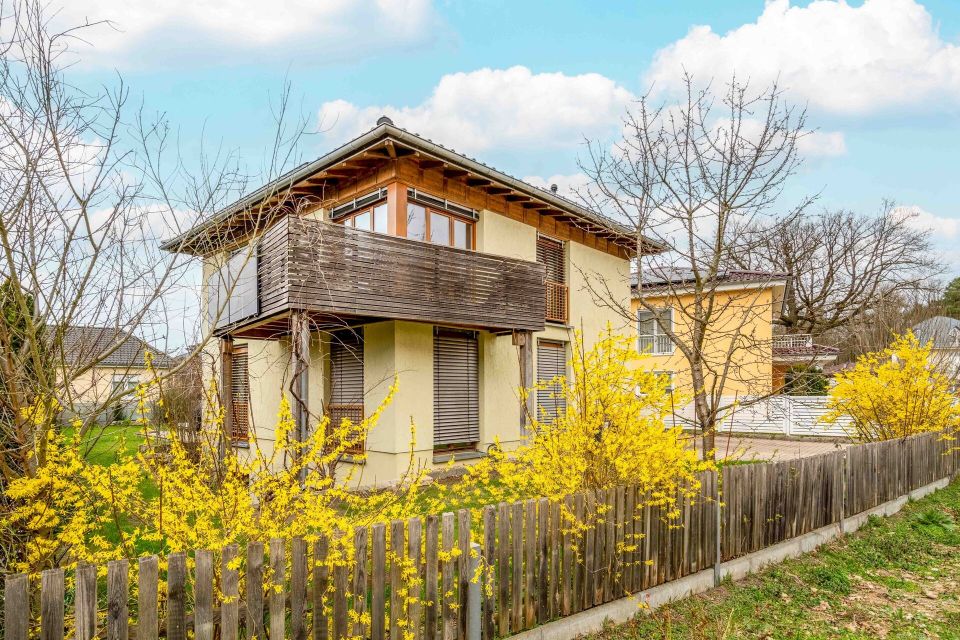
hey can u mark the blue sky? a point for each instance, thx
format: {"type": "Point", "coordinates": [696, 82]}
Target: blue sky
{"type": "Point", "coordinates": [519, 84]}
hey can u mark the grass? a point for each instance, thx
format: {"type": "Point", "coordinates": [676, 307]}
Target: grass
{"type": "Point", "coordinates": [897, 577]}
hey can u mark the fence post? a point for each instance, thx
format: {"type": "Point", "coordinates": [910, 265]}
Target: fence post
{"type": "Point", "coordinates": [474, 589]}
{"type": "Point", "coordinates": [843, 491]}
{"type": "Point", "coordinates": [718, 522]}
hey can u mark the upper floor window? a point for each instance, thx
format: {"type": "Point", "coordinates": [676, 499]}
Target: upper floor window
{"type": "Point", "coordinates": [373, 219]}
{"type": "Point", "coordinates": [438, 227]}
{"type": "Point", "coordinates": [653, 337]}
{"type": "Point", "coordinates": [550, 253]}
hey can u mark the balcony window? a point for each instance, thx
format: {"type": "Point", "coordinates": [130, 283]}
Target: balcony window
{"type": "Point", "coordinates": [653, 338]}
{"type": "Point", "coordinates": [439, 227]}
{"type": "Point", "coordinates": [374, 219]}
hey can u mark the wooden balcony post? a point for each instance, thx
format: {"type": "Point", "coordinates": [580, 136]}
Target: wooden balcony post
{"type": "Point", "coordinates": [524, 342]}
{"type": "Point", "coordinates": [226, 395]}
{"type": "Point", "coordinates": [300, 380]}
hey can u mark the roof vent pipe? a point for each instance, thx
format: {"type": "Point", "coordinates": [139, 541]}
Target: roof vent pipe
{"type": "Point", "coordinates": [384, 120]}
{"type": "Point", "coordinates": [553, 188]}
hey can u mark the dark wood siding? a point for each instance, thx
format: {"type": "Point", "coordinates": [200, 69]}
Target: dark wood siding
{"type": "Point", "coordinates": [456, 389]}
{"type": "Point", "coordinates": [551, 362]}
{"type": "Point", "coordinates": [330, 269]}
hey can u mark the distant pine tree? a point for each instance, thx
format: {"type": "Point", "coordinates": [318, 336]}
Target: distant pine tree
{"type": "Point", "coordinates": [951, 299]}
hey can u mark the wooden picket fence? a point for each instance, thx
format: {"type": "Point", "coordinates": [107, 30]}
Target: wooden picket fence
{"type": "Point", "coordinates": [427, 579]}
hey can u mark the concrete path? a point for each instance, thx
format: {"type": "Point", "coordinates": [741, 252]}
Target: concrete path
{"type": "Point", "coordinates": [746, 448]}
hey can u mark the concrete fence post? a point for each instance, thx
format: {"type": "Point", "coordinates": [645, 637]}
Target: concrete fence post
{"type": "Point", "coordinates": [474, 591]}
{"type": "Point", "coordinates": [719, 523]}
{"type": "Point", "coordinates": [843, 491]}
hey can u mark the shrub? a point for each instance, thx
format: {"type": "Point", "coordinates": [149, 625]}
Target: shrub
{"type": "Point", "coordinates": [895, 393]}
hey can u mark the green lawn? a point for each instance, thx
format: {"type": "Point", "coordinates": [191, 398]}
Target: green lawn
{"type": "Point", "coordinates": [897, 577]}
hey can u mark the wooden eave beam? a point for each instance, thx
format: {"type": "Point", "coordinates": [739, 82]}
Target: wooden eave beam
{"type": "Point", "coordinates": [474, 181]}
{"type": "Point", "coordinates": [498, 191]}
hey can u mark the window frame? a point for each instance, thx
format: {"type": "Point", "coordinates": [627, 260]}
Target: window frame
{"type": "Point", "coordinates": [658, 336]}
{"type": "Point", "coordinates": [451, 217]}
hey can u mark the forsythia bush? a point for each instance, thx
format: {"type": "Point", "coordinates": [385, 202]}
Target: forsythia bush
{"type": "Point", "coordinates": [612, 431]}
{"type": "Point", "coordinates": [895, 393]}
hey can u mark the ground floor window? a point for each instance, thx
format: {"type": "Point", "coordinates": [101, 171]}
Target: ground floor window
{"type": "Point", "coordinates": [346, 380]}
{"type": "Point", "coordinates": [456, 389]}
{"type": "Point", "coordinates": [551, 363]}
{"type": "Point", "coordinates": [240, 395]}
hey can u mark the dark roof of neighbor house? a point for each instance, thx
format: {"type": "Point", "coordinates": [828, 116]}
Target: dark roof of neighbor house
{"type": "Point", "coordinates": [85, 343]}
{"type": "Point", "coordinates": [385, 129]}
{"type": "Point", "coordinates": [944, 332]}
{"type": "Point", "coordinates": [666, 278]}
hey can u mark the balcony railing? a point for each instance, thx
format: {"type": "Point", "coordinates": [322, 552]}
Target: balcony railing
{"type": "Point", "coordinates": [793, 341]}
{"type": "Point", "coordinates": [656, 345]}
{"type": "Point", "coordinates": [336, 272]}
{"type": "Point", "coordinates": [558, 302]}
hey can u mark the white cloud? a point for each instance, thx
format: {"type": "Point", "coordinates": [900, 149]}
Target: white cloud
{"type": "Point", "coordinates": [841, 58]}
{"type": "Point", "coordinates": [567, 185]}
{"type": "Point", "coordinates": [148, 32]}
{"type": "Point", "coordinates": [502, 108]}
{"type": "Point", "coordinates": [822, 144]}
{"type": "Point", "coordinates": [943, 228]}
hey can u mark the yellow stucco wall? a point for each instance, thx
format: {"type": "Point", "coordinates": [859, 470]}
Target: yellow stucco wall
{"type": "Point", "coordinates": [406, 348]}
{"type": "Point", "coordinates": [747, 313]}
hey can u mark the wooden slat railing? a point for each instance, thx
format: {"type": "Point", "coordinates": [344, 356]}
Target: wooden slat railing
{"type": "Point", "coordinates": [540, 567]}
{"type": "Point", "coordinates": [558, 302]}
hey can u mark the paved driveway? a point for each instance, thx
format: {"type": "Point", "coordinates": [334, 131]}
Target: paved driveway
{"type": "Point", "coordinates": [746, 448]}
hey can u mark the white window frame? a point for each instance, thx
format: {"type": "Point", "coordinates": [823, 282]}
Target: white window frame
{"type": "Point", "coordinates": [657, 343]}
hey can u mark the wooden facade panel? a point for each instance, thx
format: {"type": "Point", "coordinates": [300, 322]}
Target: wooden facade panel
{"type": "Point", "coordinates": [327, 268]}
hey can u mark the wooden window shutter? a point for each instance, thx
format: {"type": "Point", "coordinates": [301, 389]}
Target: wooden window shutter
{"type": "Point", "coordinates": [456, 389]}
{"type": "Point", "coordinates": [240, 395]}
{"type": "Point", "coordinates": [550, 254]}
{"type": "Point", "coordinates": [346, 378]}
{"type": "Point", "coordinates": [551, 362]}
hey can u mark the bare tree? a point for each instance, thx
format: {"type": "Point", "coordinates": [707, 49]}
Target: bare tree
{"type": "Point", "coordinates": [845, 265]}
{"type": "Point", "coordinates": [88, 188]}
{"type": "Point", "coordinates": [684, 175]}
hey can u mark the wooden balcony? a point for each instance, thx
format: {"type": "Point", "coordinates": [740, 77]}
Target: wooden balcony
{"type": "Point", "coordinates": [346, 275]}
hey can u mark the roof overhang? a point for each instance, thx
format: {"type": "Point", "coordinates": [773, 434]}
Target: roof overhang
{"type": "Point", "coordinates": [394, 139]}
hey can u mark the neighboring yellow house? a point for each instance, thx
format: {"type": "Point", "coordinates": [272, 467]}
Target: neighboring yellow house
{"type": "Point", "coordinates": [393, 255]}
{"type": "Point", "coordinates": [102, 361]}
{"type": "Point", "coordinates": [745, 306]}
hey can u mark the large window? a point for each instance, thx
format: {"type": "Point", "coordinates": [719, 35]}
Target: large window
{"type": "Point", "coordinates": [438, 227]}
{"type": "Point", "coordinates": [374, 219]}
{"type": "Point", "coordinates": [653, 338]}
{"type": "Point", "coordinates": [456, 390]}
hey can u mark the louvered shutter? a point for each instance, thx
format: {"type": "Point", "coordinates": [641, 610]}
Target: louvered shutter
{"type": "Point", "coordinates": [346, 368]}
{"type": "Point", "coordinates": [456, 395]}
{"type": "Point", "coordinates": [346, 384]}
{"type": "Point", "coordinates": [240, 395]}
{"type": "Point", "coordinates": [551, 362]}
{"type": "Point", "coordinates": [550, 254]}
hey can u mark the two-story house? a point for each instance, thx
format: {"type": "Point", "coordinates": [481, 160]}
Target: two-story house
{"type": "Point", "coordinates": [740, 344]}
{"type": "Point", "coordinates": [393, 255]}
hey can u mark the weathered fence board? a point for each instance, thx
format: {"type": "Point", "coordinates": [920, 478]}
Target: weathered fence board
{"type": "Point", "coordinates": [541, 559]}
